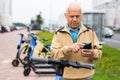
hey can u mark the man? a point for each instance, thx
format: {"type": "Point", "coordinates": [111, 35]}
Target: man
{"type": "Point", "coordinates": [68, 44]}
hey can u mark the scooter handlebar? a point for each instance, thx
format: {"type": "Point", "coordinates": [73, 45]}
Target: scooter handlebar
{"type": "Point", "coordinates": [64, 63]}
{"type": "Point", "coordinates": [33, 35]}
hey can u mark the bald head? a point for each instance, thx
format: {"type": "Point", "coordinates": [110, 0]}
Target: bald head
{"type": "Point", "coordinates": [73, 6]}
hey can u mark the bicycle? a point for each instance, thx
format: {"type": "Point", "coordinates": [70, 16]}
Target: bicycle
{"type": "Point", "coordinates": [60, 64]}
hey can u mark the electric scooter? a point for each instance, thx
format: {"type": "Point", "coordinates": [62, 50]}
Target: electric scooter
{"type": "Point", "coordinates": [19, 55]}
{"type": "Point", "coordinates": [60, 64]}
{"type": "Point", "coordinates": [16, 61]}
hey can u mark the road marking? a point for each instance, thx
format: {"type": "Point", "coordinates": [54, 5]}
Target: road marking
{"type": "Point", "coordinates": [110, 40]}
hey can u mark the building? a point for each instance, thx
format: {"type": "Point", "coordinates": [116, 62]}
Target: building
{"type": "Point", "coordinates": [95, 20]}
{"type": "Point", "coordinates": [5, 12]}
{"type": "Point", "coordinates": [112, 10]}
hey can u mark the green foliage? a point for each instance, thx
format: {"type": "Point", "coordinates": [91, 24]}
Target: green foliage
{"type": "Point", "coordinates": [108, 68]}
{"type": "Point", "coordinates": [47, 35]}
{"type": "Point", "coordinates": [39, 19]}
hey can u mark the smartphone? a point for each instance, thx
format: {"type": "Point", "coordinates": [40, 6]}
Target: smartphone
{"type": "Point", "coordinates": [87, 46]}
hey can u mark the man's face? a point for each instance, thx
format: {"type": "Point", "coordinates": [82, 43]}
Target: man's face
{"type": "Point", "coordinates": [74, 17]}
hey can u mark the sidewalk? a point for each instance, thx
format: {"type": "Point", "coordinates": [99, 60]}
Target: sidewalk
{"type": "Point", "coordinates": [8, 50]}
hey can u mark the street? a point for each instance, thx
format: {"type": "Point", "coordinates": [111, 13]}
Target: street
{"type": "Point", "coordinates": [113, 42]}
{"type": "Point", "coordinates": [8, 50]}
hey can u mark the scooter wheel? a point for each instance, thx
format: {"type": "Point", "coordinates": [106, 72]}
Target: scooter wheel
{"type": "Point", "coordinates": [26, 71]}
{"type": "Point", "coordinates": [15, 62]}
{"type": "Point", "coordinates": [25, 65]}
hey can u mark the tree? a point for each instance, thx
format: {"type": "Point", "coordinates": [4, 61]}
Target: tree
{"type": "Point", "coordinates": [39, 20]}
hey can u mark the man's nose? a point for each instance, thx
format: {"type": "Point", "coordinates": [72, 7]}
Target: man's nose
{"type": "Point", "coordinates": [74, 18]}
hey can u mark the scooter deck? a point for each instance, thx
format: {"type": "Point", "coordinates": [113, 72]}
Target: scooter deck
{"type": "Point", "coordinates": [45, 71]}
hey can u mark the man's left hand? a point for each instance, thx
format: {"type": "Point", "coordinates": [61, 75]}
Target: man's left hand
{"type": "Point", "coordinates": [87, 52]}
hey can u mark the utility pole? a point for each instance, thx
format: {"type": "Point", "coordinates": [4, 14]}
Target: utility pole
{"type": "Point", "coordinates": [50, 20]}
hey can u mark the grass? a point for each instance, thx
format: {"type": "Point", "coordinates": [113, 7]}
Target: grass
{"type": "Point", "coordinates": [46, 35]}
{"type": "Point", "coordinates": [107, 68]}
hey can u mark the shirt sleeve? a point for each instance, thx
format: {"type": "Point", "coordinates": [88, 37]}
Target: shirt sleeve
{"type": "Point", "coordinates": [97, 48]}
{"type": "Point", "coordinates": [58, 52]}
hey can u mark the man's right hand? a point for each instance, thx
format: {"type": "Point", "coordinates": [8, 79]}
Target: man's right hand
{"type": "Point", "coordinates": [75, 47]}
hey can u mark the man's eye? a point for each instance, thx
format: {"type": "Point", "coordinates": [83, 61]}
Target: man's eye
{"type": "Point", "coordinates": [71, 16]}
{"type": "Point", "coordinates": [77, 16]}
{"type": "Point", "coordinates": [74, 16]}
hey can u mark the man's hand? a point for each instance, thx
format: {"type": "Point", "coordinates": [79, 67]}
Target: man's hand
{"type": "Point", "coordinates": [75, 47]}
{"type": "Point", "coordinates": [87, 52]}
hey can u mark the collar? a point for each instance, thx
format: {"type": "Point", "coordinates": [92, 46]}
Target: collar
{"type": "Point", "coordinates": [70, 29]}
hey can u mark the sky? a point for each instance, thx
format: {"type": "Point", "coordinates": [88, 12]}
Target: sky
{"type": "Point", "coordinates": [25, 10]}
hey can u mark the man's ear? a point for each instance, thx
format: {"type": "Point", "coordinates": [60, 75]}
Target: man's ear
{"type": "Point", "coordinates": [65, 15]}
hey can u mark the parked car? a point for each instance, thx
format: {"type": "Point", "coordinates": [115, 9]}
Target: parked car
{"type": "Point", "coordinates": [12, 28]}
{"type": "Point", "coordinates": [107, 32]}
{"type": "Point", "coordinates": [3, 29]}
